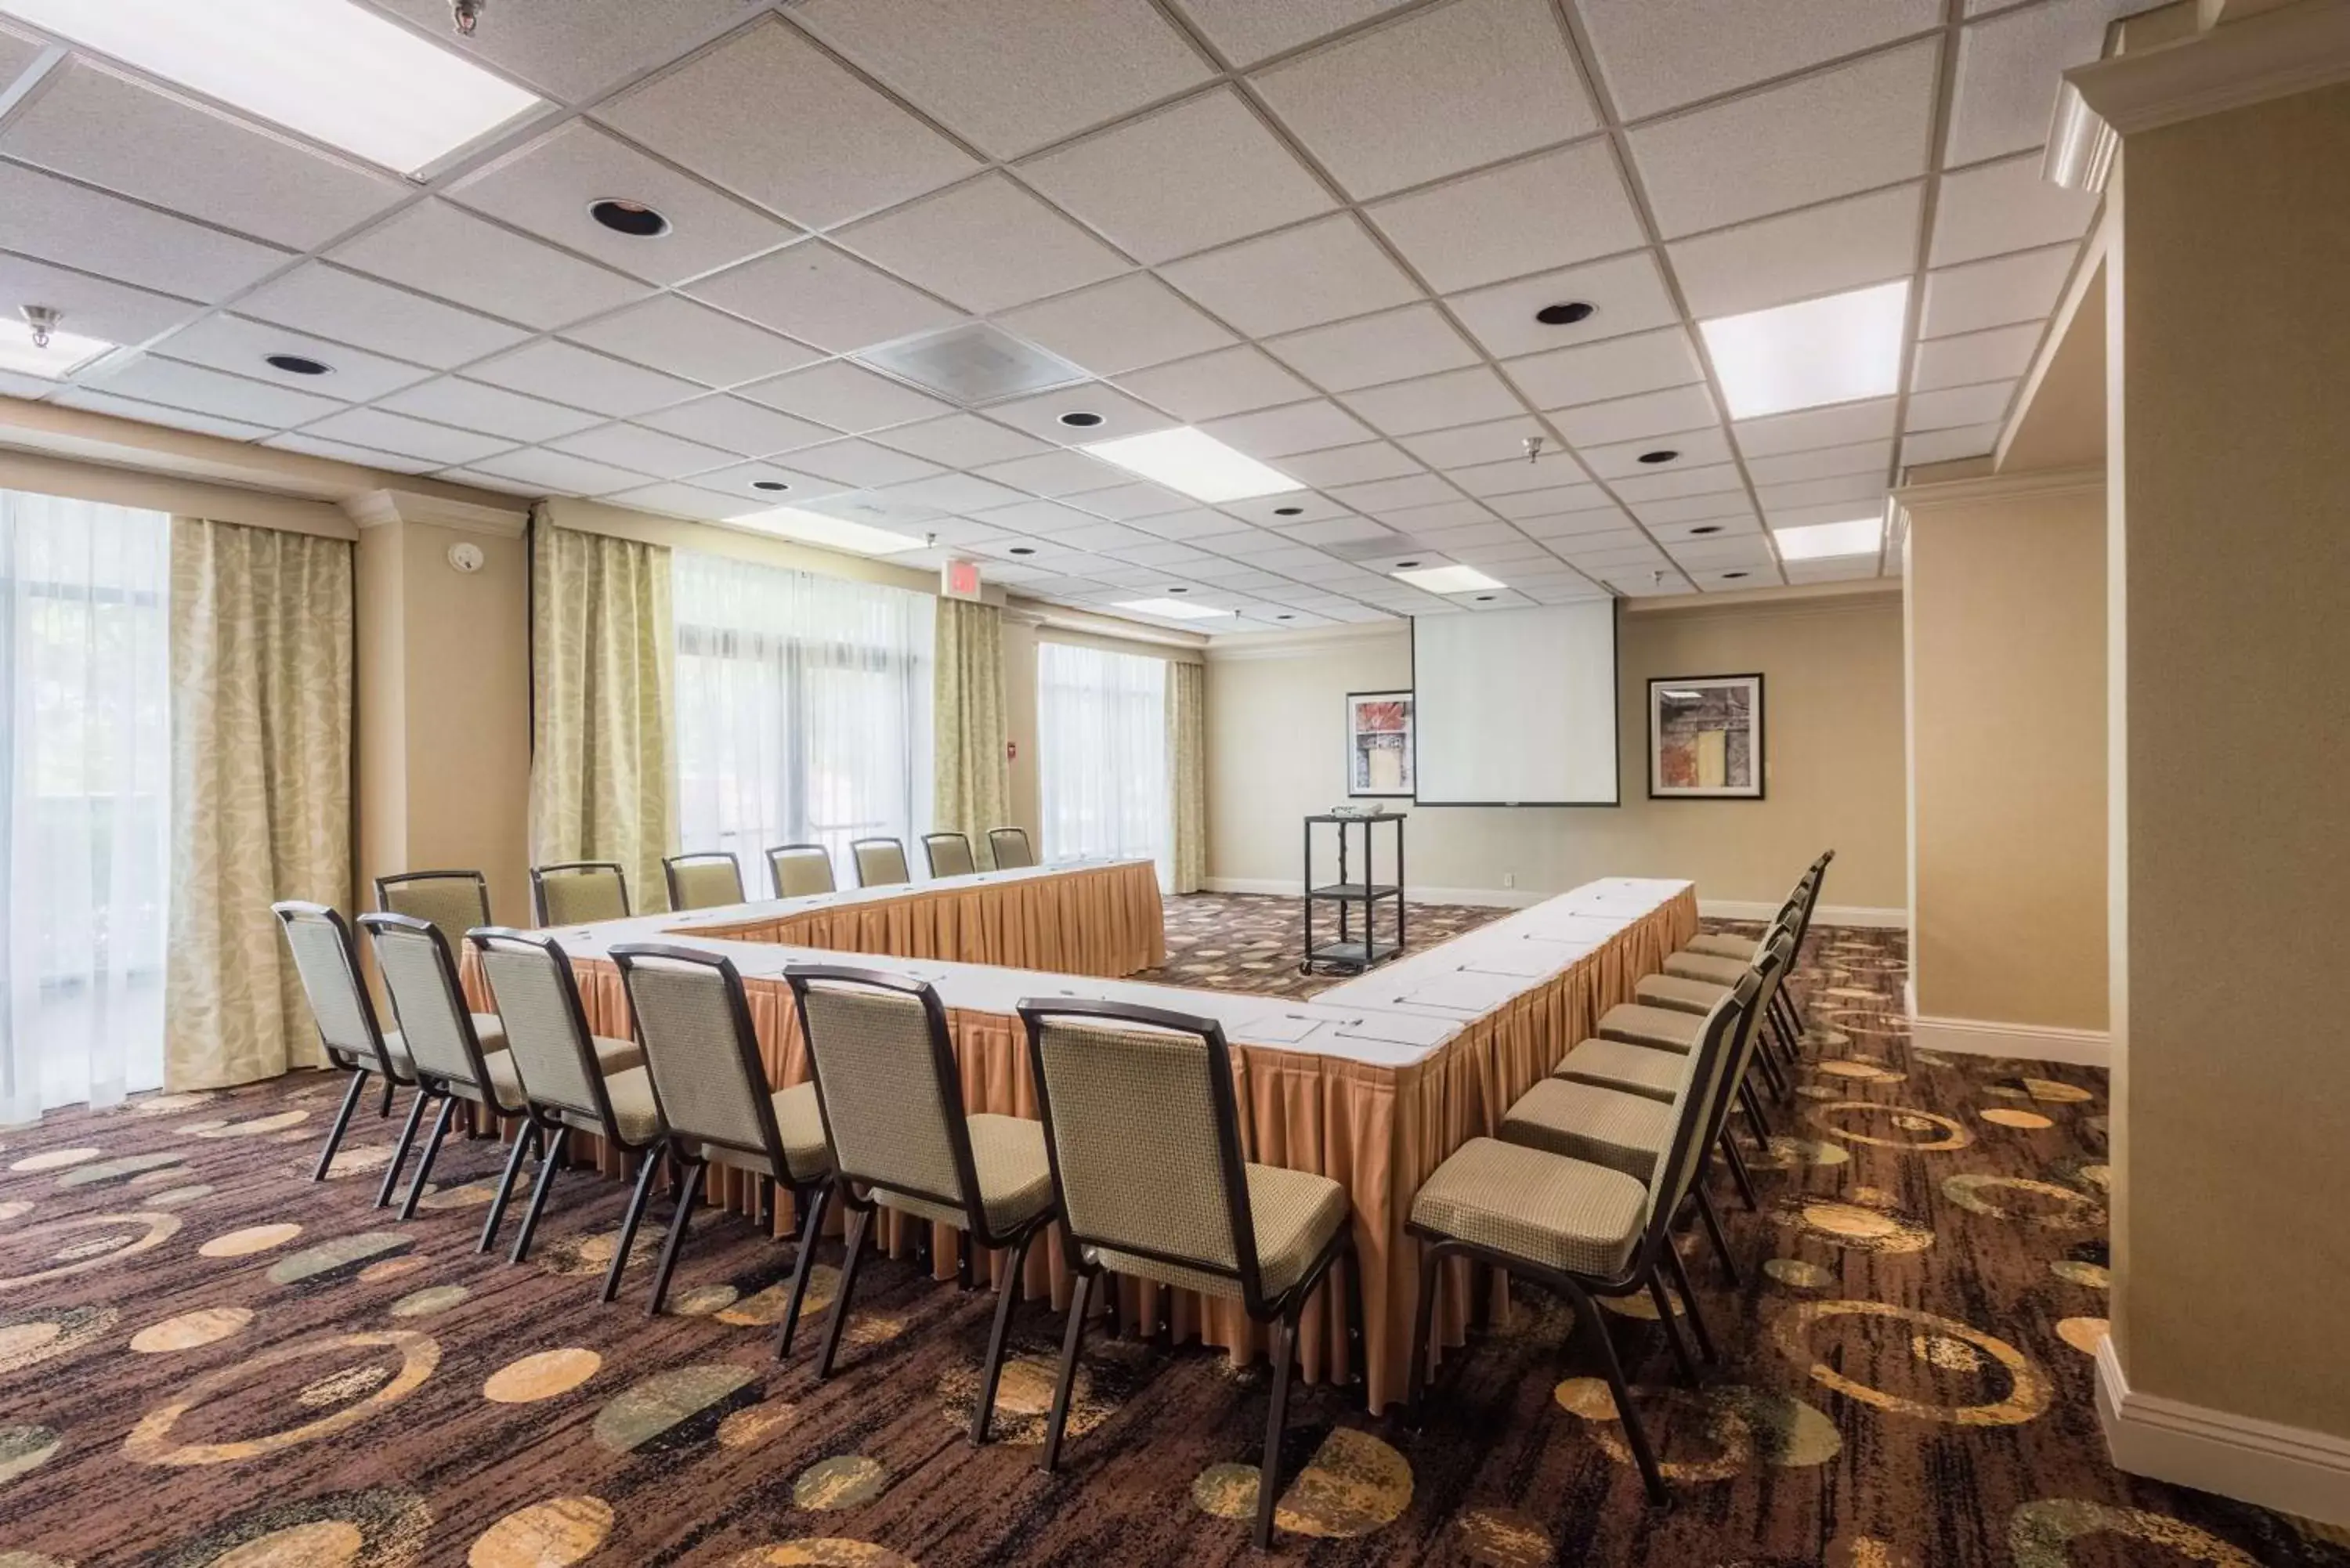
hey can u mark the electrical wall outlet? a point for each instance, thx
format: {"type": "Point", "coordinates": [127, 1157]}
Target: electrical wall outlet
{"type": "Point", "coordinates": [1508, 879]}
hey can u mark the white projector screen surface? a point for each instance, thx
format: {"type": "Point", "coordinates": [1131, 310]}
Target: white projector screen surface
{"type": "Point", "coordinates": [1517, 707]}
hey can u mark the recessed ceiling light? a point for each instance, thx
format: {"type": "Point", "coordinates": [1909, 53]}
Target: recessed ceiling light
{"type": "Point", "coordinates": [1732, 577]}
{"type": "Point", "coordinates": [1083, 419]}
{"type": "Point", "coordinates": [1832, 350]}
{"type": "Point", "coordinates": [1194, 463]}
{"type": "Point", "coordinates": [1179, 590]}
{"type": "Point", "coordinates": [296, 364]}
{"type": "Point", "coordinates": [328, 68]}
{"type": "Point", "coordinates": [1823, 541]}
{"type": "Point", "coordinates": [1284, 618]}
{"type": "Point", "coordinates": [1289, 512]}
{"type": "Point", "coordinates": [1484, 598]}
{"type": "Point", "coordinates": [832, 533]}
{"type": "Point", "coordinates": [1406, 565]}
{"type": "Point", "coordinates": [1566, 314]}
{"type": "Point", "coordinates": [1172, 609]}
{"type": "Point", "coordinates": [1023, 549]}
{"type": "Point", "coordinates": [769, 484]}
{"type": "Point", "coordinates": [1448, 579]}
{"type": "Point", "coordinates": [1704, 528]}
{"type": "Point", "coordinates": [633, 219]}
{"type": "Point", "coordinates": [1662, 454]}
{"type": "Point", "coordinates": [65, 352]}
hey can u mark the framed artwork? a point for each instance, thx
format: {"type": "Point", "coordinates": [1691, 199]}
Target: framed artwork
{"type": "Point", "coordinates": [1705, 738]}
{"type": "Point", "coordinates": [1379, 744]}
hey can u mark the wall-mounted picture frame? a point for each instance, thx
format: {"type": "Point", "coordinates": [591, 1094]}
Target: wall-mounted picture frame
{"type": "Point", "coordinates": [1705, 738]}
{"type": "Point", "coordinates": [1381, 745]}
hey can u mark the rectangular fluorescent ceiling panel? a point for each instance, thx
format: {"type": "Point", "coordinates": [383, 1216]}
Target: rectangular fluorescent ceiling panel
{"type": "Point", "coordinates": [1198, 465]}
{"type": "Point", "coordinates": [1447, 580]}
{"type": "Point", "coordinates": [328, 68]}
{"type": "Point", "coordinates": [1838, 350]}
{"type": "Point", "coordinates": [1172, 609]}
{"type": "Point", "coordinates": [1823, 541]}
{"type": "Point", "coordinates": [832, 533]}
{"type": "Point", "coordinates": [65, 354]}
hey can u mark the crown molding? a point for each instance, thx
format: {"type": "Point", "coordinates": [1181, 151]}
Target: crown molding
{"type": "Point", "coordinates": [1916, 499]}
{"type": "Point", "coordinates": [2271, 54]}
{"type": "Point", "coordinates": [374, 508]}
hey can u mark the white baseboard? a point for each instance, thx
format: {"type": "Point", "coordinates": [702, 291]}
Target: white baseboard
{"type": "Point", "coordinates": [2289, 1469]}
{"type": "Point", "coordinates": [1827, 915]}
{"type": "Point", "coordinates": [1523, 897]}
{"type": "Point", "coordinates": [2029, 1041]}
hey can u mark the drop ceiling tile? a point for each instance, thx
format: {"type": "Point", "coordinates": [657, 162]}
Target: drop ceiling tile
{"type": "Point", "coordinates": [862, 463]}
{"type": "Point", "coordinates": [1013, 75]}
{"type": "Point", "coordinates": [447, 252]}
{"type": "Point", "coordinates": [845, 397]}
{"type": "Point", "coordinates": [1339, 531]}
{"type": "Point", "coordinates": [1436, 403]}
{"type": "Point", "coordinates": [1945, 445]}
{"type": "Point", "coordinates": [2021, 287]}
{"type": "Point", "coordinates": [1044, 519]}
{"type": "Point", "coordinates": [689, 501]}
{"type": "Point", "coordinates": [770, 116]}
{"type": "Point", "coordinates": [1629, 418]}
{"type": "Point", "coordinates": [17, 54]}
{"type": "Point", "coordinates": [348, 309]}
{"type": "Point", "coordinates": [1576, 524]}
{"type": "Point", "coordinates": [2002, 353]}
{"type": "Point", "coordinates": [409, 438]}
{"type": "Point", "coordinates": [547, 187]}
{"type": "Point", "coordinates": [800, 488]}
{"type": "Point", "coordinates": [1469, 446]}
{"type": "Point", "coordinates": [1840, 425]}
{"type": "Point", "coordinates": [470, 405]}
{"type": "Point", "coordinates": [154, 379]}
{"type": "Point", "coordinates": [825, 296]}
{"type": "Point", "coordinates": [986, 245]}
{"type": "Point", "coordinates": [1126, 502]}
{"type": "Point", "coordinates": [1445, 518]}
{"type": "Point", "coordinates": [1119, 326]}
{"type": "Point", "coordinates": [1615, 368]}
{"type": "Point", "coordinates": [1272, 510]}
{"type": "Point", "coordinates": [343, 451]}
{"type": "Point", "coordinates": [1953, 406]}
{"type": "Point", "coordinates": [556, 472]}
{"type": "Point", "coordinates": [1395, 494]}
{"type": "Point", "coordinates": [1658, 56]}
{"type": "Point", "coordinates": [1118, 538]}
{"type": "Point", "coordinates": [643, 451]}
{"type": "Point", "coordinates": [232, 343]}
{"type": "Point", "coordinates": [955, 493]}
{"type": "Point", "coordinates": [1548, 503]}
{"type": "Point", "coordinates": [1302, 276]}
{"type": "Point", "coordinates": [2005, 206]}
{"type": "Point", "coordinates": [90, 230]}
{"type": "Point", "coordinates": [1196, 175]}
{"type": "Point", "coordinates": [1726, 508]}
{"type": "Point", "coordinates": [1566, 205]}
{"type": "Point", "coordinates": [1270, 433]}
{"type": "Point", "coordinates": [1864, 490]}
{"type": "Point", "coordinates": [1628, 293]}
{"type": "Point", "coordinates": [741, 428]}
{"type": "Point", "coordinates": [1199, 523]}
{"type": "Point", "coordinates": [1055, 473]}
{"type": "Point", "coordinates": [2008, 73]}
{"type": "Point", "coordinates": [96, 306]}
{"type": "Point", "coordinates": [962, 441]}
{"type": "Point", "coordinates": [1228, 382]}
{"type": "Point", "coordinates": [97, 402]}
{"type": "Point", "coordinates": [1828, 512]}
{"type": "Point", "coordinates": [557, 371]}
{"type": "Point", "coordinates": [1443, 90]}
{"type": "Point", "coordinates": [143, 141]}
{"type": "Point", "coordinates": [1827, 249]}
{"type": "Point", "coordinates": [1871, 457]}
{"type": "Point", "coordinates": [1696, 448]}
{"type": "Point", "coordinates": [1859, 126]}
{"type": "Point", "coordinates": [580, 48]}
{"type": "Point", "coordinates": [1118, 415]}
{"type": "Point", "coordinates": [1348, 464]}
{"type": "Point", "coordinates": [1669, 483]}
{"type": "Point", "coordinates": [1392, 346]}
{"type": "Point", "coordinates": [673, 334]}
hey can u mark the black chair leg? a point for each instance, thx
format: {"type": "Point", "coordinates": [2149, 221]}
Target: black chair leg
{"type": "Point", "coordinates": [1422, 1316]}
{"type": "Point", "coordinates": [1665, 1314]}
{"type": "Point", "coordinates": [817, 1203]}
{"type": "Point", "coordinates": [523, 1142]}
{"type": "Point", "coordinates": [1588, 1314]}
{"type": "Point", "coordinates": [1007, 1292]}
{"type": "Point", "coordinates": [432, 1152]}
{"type": "Point", "coordinates": [628, 1223]}
{"type": "Point", "coordinates": [1268, 1481]}
{"type": "Point", "coordinates": [1689, 1301]}
{"type": "Point", "coordinates": [1358, 1340]}
{"type": "Point", "coordinates": [1067, 1379]}
{"type": "Point", "coordinates": [839, 1319]}
{"type": "Point", "coordinates": [550, 1157]}
{"type": "Point", "coordinates": [400, 1150]}
{"type": "Point", "coordinates": [1737, 1163]}
{"type": "Point", "coordinates": [1712, 1220]}
{"type": "Point", "coordinates": [678, 1224]}
{"type": "Point", "coordinates": [1759, 1124]}
{"type": "Point", "coordinates": [383, 1109]}
{"type": "Point", "coordinates": [342, 1120]}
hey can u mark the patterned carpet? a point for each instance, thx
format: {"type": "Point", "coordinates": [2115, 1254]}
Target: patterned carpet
{"type": "Point", "coordinates": [1253, 942]}
{"type": "Point", "coordinates": [206, 1360]}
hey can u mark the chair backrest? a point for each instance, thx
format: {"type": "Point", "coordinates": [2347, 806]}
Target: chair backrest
{"type": "Point", "coordinates": [1815, 879]}
{"type": "Point", "coordinates": [695, 1024]}
{"type": "Point", "coordinates": [1768, 971]}
{"type": "Point", "coordinates": [546, 1028]}
{"type": "Point", "coordinates": [577, 892]}
{"type": "Point", "coordinates": [420, 976]}
{"type": "Point", "coordinates": [328, 965]}
{"type": "Point", "coordinates": [948, 854]}
{"type": "Point", "coordinates": [453, 901]}
{"type": "Point", "coordinates": [1143, 1132]}
{"type": "Point", "coordinates": [1698, 1109]}
{"type": "Point", "coordinates": [800, 869]}
{"type": "Point", "coordinates": [886, 1084]}
{"type": "Point", "coordinates": [880, 862]}
{"type": "Point", "coordinates": [703, 881]}
{"type": "Point", "coordinates": [1008, 847]}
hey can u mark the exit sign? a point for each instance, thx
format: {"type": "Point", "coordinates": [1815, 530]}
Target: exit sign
{"type": "Point", "coordinates": [960, 579]}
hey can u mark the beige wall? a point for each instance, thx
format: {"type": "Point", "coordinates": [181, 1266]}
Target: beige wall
{"type": "Point", "coordinates": [2006, 599]}
{"type": "Point", "coordinates": [1276, 751]}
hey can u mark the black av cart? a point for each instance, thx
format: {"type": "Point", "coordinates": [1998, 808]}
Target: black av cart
{"type": "Point", "coordinates": [1353, 898]}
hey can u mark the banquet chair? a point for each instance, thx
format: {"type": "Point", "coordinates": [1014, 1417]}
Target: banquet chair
{"type": "Point", "coordinates": [1800, 905]}
{"type": "Point", "coordinates": [569, 1083]}
{"type": "Point", "coordinates": [1582, 1227]}
{"type": "Point", "coordinates": [579, 892]}
{"type": "Point", "coordinates": [880, 862]}
{"type": "Point", "coordinates": [1008, 847]}
{"type": "Point", "coordinates": [326, 962]}
{"type": "Point", "coordinates": [712, 1088]}
{"type": "Point", "coordinates": [949, 855]}
{"type": "Point", "coordinates": [890, 1095]}
{"type": "Point", "coordinates": [1153, 1179]}
{"type": "Point", "coordinates": [453, 902]}
{"type": "Point", "coordinates": [800, 869]}
{"type": "Point", "coordinates": [703, 881]}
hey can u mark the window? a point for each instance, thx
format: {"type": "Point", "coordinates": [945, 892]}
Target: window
{"type": "Point", "coordinates": [85, 766]}
{"type": "Point", "coordinates": [803, 710]}
{"type": "Point", "coordinates": [1101, 751]}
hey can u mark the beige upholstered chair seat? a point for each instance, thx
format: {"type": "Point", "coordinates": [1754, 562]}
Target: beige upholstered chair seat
{"type": "Point", "coordinates": [1015, 1177]}
{"type": "Point", "coordinates": [488, 1027]}
{"type": "Point", "coordinates": [1679, 994]}
{"type": "Point", "coordinates": [1725, 945]}
{"type": "Point", "coordinates": [1619, 1064]}
{"type": "Point", "coordinates": [611, 1056]}
{"type": "Point", "coordinates": [1293, 1212]}
{"type": "Point", "coordinates": [1564, 1214]}
{"type": "Point", "coordinates": [635, 1113]}
{"type": "Point", "coordinates": [1661, 1028]}
{"type": "Point", "coordinates": [1623, 1131]}
{"type": "Point", "coordinates": [799, 1125]}
{"type": "Point", "coordinates": [1705, 966]}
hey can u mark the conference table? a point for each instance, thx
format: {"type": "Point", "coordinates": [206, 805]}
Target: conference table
{"type": "Point", "coordinates": [1371, 1083]}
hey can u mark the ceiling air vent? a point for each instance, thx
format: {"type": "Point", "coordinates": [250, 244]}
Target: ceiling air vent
{"type": "Point", "coordinates": [972, 364]}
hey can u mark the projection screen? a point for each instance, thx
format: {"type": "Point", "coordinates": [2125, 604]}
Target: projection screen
{"type": "Point", "coordinates": [1517, 707]}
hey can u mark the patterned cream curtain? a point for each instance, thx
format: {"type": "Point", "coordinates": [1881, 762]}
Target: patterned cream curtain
{"type": "Point", "coordinates": [603, 677]}
{"type": "Point", "coordinates": [1187, 771]}
{"type": "Point", "coordinates": [261, 789]}
{"type": "Point", "coordinates": [973, 780]}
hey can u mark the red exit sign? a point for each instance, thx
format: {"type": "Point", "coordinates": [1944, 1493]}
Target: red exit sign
{"type": "Point", "coordinates": [960, 579]}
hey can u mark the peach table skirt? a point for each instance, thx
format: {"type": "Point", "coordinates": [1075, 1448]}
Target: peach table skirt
{"type": "Point", "coordinates": [1378, 1131]}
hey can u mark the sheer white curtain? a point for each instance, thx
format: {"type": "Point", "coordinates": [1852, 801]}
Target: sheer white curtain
{"type": "Point", "coordinates": [86, 759]}
{"type": "Point", "coordinates": [803, 710]}
{"type": "Point", "coordinates": [1101, 754]}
